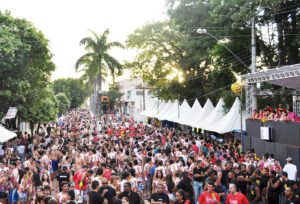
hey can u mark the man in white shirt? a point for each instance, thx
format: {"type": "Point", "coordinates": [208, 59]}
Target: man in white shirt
{"type": "Point", "coordinates": [291, 169]}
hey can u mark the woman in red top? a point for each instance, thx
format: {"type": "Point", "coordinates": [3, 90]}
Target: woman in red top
{"type": "Point", "coordinates": [209, 196]}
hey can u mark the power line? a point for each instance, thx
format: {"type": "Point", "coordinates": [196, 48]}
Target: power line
{"type": "Point", "coordinates": [220, 89]}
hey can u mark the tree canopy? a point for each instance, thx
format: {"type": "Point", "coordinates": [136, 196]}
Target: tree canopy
{"type": "Point", "coordinates": [25, 69]}
{"type": "Point", "coordinates": [73, 89]}
{"type": "Point", "coordinates": [202, 59]}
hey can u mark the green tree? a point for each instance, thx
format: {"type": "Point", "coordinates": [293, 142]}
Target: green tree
{"type": "Point", "coordinates": [97, 60]}
{"type": "Point", "coordinates": [277, 38]}
{"type": "Point", "coordinates": [25, 65]}
{"type": "Point", "coordinates": [114, 95]}
{"type": "Point", "coordinates": [64, 103]}
{"type": "Point", "coordinates": [74, 89]}
{"type": "Point", "coordinates": [44, 108]}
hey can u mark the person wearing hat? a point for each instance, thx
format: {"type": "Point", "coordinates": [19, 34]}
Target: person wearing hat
{"type": "Point", "coordinates": [291, 169]}
{"type": "Point", "coordinates": [63, 175]}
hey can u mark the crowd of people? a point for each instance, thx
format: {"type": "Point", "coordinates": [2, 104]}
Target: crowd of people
{"type": "Point", "coordinates": [278, 114]}
{"type": "Point", "coordinates": [113, 159]}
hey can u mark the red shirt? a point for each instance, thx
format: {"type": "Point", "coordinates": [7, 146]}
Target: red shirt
{"type": "Point", "coordinates": [107, 174]}
{"type": "Point", "coordinates": [109, 131]}
{"type": "Point", "coordinates": [77, 179]}
{"type": "Point", "coordinates": [195, 148]}
{"type": "Point", "coordinates": [239, 198]}
{"type": "Point", "coordinates": [209, 198]}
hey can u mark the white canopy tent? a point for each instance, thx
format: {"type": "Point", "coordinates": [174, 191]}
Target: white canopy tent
{"type": "Point", "coordinates": [164, 110]}
{"type": "Point", "coordinates": [217, 114]}
{"type": "Point", "coordinates": [196, 119]}
{"type": "Point", "coordinates": [152, 105]}
{"type": "Point", "coordinates": [168, 113]}
{"type": "Point", "coordinates": [6, 135]}
{"type": "Point", "coordinates": [184, 108]}
{"type": "Point", "coordinates": [158, 109]}
{"type": "Point", "coordinates": [230, 122]}
{"type": "Point", "coordinates": [184, 116]}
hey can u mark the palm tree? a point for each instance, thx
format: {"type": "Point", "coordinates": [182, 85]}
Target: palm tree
{"type": "Point", "coordinates": [97, 60]}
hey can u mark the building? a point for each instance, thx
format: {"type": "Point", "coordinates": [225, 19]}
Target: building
{"type": "Point", "coordinates": [136, 97]}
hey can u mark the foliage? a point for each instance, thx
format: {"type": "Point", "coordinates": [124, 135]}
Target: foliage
{"type": "Point", "coordinates": [73, 89]}
{"type": "Point", "coordinates": [64, 103]}
{"type": "Point", "coordinates": [43, 108]}
{"type": "Point", "coordinates": [206, 64]}
{"type": "Point", "coordinates": [25, 68]}
{"type": "Point", "coordinates": [97, 62]}
{"type": "Point", "coordinates": [114, 95]}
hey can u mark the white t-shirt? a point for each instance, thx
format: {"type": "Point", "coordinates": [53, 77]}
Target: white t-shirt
{"type": "Point", "coordinates": [291, 169]}
{"type": "Point", "coordinates": [1, 151]}
{"type": "Point", "coordinates": [21, 149]}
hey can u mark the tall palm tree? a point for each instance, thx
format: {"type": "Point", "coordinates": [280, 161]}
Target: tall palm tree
{"type": "Point", "coordinates": [97, 60]}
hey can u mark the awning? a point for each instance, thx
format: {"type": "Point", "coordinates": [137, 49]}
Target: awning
{"type": "Point", "coordinates": [6, 135]}
{"type": "Point", "coordinates": [11, 113]}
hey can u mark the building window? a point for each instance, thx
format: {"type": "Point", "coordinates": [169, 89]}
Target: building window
{"type": "Point", "coordinates": [139, 93]}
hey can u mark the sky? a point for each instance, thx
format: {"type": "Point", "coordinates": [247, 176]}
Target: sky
{"type": "Point", "coordinates": [66, 22]}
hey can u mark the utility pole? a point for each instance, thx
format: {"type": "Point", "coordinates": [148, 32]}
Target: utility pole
{"type": "Point", "coordinates": [253, 66]}
{"type": "Point", "coordinates": [144, 104]}
{"type": "Point", "coordinates": [178, 106]}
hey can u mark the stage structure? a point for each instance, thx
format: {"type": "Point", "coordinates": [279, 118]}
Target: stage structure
{"type": "Point", "coordinates": [286, 76]}
{"type": "Point", "coordinates": [281, 138]}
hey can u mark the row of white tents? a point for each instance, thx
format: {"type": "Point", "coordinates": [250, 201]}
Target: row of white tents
{"type": "Point", "coordinates": [208, 117]}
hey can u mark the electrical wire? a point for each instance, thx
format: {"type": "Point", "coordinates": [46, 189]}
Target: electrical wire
{"type": "Point", "coordinates": [201, 96]}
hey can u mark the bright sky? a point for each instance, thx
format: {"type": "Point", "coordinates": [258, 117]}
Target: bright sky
{"type": "Point", "coordinates": [66, 22]}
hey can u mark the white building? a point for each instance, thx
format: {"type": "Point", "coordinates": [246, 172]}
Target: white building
{"type": "Point", "coordinates": [133, 99]}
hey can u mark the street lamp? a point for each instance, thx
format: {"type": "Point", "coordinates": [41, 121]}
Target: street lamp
{"type": "Point", "coordinates": [204, 31]}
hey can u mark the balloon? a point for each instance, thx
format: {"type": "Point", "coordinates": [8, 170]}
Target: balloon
{"type": "Point", "coordinates": [236, 87]}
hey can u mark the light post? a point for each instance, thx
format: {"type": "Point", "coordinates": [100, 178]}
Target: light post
{"type": "Point", "coordinates": [204, 31]}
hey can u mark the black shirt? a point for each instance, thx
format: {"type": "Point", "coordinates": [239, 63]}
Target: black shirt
{"type": "Point", "coordinates": [111, 193]}
{"type": "Point", "coordinates": [160, 197]}
{"type": "Point", "coordinates": [63, 176]}
{"type": "Point", "coordinates": [243, 184]}
{"type": "Point", "coordinates": [95, 198]}
{"type": "Point", "coordinates": [198, 171]}
{"type": "Point", "coordinates": [187, 187]}
{"type": "Point", "coordinates": [134, 198]}
{"type": "Point", "coordinates": [294, 200]}
{"type": "Point", "coordinates": [224, 177]}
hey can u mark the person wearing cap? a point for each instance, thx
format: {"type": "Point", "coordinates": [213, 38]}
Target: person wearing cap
{"type": "Point", "coordinates": [63, 175]}
{"type": "Point", "coordinates": [291, 169]}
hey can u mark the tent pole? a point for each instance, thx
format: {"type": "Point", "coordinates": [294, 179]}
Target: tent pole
{"type": "Point", "coordinates": [241, 110]}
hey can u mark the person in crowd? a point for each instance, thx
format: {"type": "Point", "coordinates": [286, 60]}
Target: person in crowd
{"type": "Point", "coordinates": [209, 196]}
{"type": "Point", "coordinates": [159, 196]}
{"type": "Point", "coordinates": [63, 175]}
{"type": "Point", "coordinates": [62, 197]}
{"type": "Point", "coordinates": [290, 197]}
{"type": "Point", "coordinates": [198, 174]}
{"type": "Point", "coordinates": [291, 169]}
{"type": "Point", "coordinates": [94, 196]}
{"type": "Point", "coordinates": [180, 199]}
{"type": "Point", "coordinates": [133, 197]}
{"type": "Point", "coordinates": [145, 156]}
{"type": "Point", "coordinates": [235, 197]}
{"type": "Point", "coordinates": [107, 191]}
